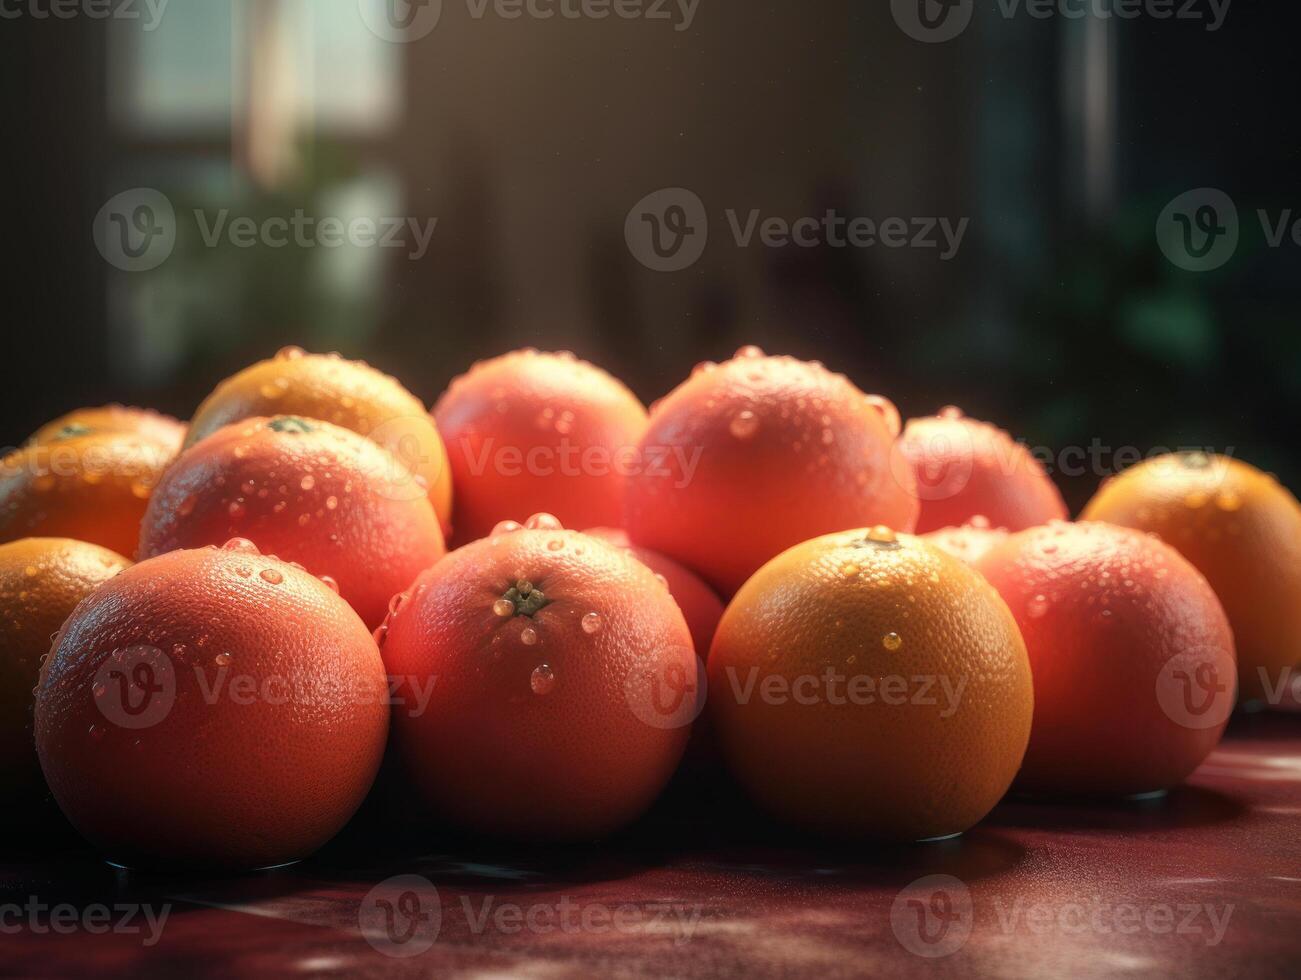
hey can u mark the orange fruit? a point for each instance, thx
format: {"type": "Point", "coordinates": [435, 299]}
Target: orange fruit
{"type": "Point", "coordinates": [308, 491]}
{"type": "Point", "coordinates": [1242, 530]}
{"type": "Point", "coordinates": [969, 542]}
{"type": "Point", "coordinates": [351, 394]}
{"type": "Point", "coordinates": [541, 431]}
{"type": "Point", "coordinates": [965, 468]}
{"type": "Point", "coordinates": [41, 582]}
{"type": "Point", "coordinates": [547, 684]}
{"type": "Point", "coordinates": [699, 603]}
{"type": "Point", "coordinates": [91, 487]}
{"type": "Point", "coordinates": [866, 684]}
{"type": "Point", "coordinates": [113, 418]}
{"type": "Point", "coordinates": [749, 457]}
{"type": "Point", "coordinates": [214, 707]}
{"type": "Point", "coordinates": [1131, 653]}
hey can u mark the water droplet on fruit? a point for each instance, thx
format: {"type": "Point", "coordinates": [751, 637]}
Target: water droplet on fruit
{"type": "Point", "coordinates": [850, 570]}
{"type": "Point", "coordinates": [951, 412]}
{"type": "Point", "coordinates": [882, 535]}
{"type": "Point", "coordinates": [1196, 461]}
{"type": "Point", "coordinates": [397, 602]}
{"type": "Point", "coordinates": [31, 571]}
{"type": "Point", "coordinates": [503, 608]}
{"type": "Point", "coordinates": [331, 503]}
{"type": "Point", "coordinates": [272, 576]}
{"type": "Point", "coordinates": [330, 583]}
{"type": "Point", "coordinates": [980, 521]}
{"type": "Point", "coordinates": [661, 580]}
{"type": "Point", "coordinates": [506, 527]}
{"type": "Point", "coordinates": [307, 482]}
{"type": "Point", "coordinates": [544, 522]}
{"type": "Point", "coordinates": [591, 623]}
{"type": "Point", "coordinates": [242, 545]}
{"type": "Point", "coordinates": [749, 351]}
{"type": "Point", "coordinates": [892, 641]}
{"type": "Point", "coordinates": [222, 659]}
{"type": "Point", "coordinates": [542, 680]}
{"type": "Point", "coordinates": [555, 545]}
{"type": "Point", "coordinates": [528, 636]}
{"type": "Point", "coordinates": [290, 353]}
{"type": "Point", "coordinates": [744, 424]}
{"type": "Point", "coordinates": [380, 634]}
{"type": "Point", "coordinates": [1037, 607]}
{"type": "Point", "coordinates": [1228, 501]}
{"type": "Point", "coordinates": [1196, 500]}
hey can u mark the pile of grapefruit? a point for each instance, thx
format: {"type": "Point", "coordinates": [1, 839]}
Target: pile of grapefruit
{"type": "Point", "coordinates": [534, 597]}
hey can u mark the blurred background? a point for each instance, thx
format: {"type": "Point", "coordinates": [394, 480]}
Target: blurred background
{"type": "Point", "coordinates": [1059, 139]}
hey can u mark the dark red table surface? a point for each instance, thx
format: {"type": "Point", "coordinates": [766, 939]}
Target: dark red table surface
{"type": "Point", "coordinates": [1205, 882]}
